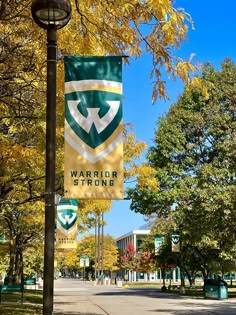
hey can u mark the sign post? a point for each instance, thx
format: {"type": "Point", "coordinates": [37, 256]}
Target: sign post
{"type": "Point", "coordinates": [84, 262]}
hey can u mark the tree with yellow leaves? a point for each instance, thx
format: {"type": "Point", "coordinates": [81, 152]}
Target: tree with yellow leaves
{"type": "Point", "coordinates": [69, 260]}
{"type": "Point", "coordinates": [97, 27]}
{"type": "Point", "coordinates": [131, 28]}
{"type": "Point", "coordinates": [109, 258]}
{"type": "Point", "coordinates": [101, 27]}
{"type": "Point", "coordinates": [22, 227]}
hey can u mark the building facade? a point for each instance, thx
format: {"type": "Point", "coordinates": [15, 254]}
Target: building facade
{"type": "Point", "coordinates": [136, 238]}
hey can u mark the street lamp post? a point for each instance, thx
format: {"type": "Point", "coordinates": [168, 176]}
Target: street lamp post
{"type": "Point", "coordinates": [182, 285]}
{"type": "Point", "coordinates": [50, 15]}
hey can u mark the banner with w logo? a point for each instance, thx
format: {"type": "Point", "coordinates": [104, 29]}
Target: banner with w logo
{"type": "Point", "coordinates": [175, 242]}
{"type": "Point", "coordinates": [93, 128]}
{"type": "Point", "coordinates": [158, 243]}
{"type": "Point", "coordinates": [67, 213]}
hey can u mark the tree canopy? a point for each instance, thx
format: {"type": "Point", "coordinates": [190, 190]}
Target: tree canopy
{"type": "Point", "coordinates": [128, 28]}
{"type": "Point", "coordinates": [194, 160]}
{"type": "Point", "coordinates": [97, 28]}
{"type": "Point", "coordinates": [86, 246]}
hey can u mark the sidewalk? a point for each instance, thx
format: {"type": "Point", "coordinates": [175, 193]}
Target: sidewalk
{"type": "Point", "coordinates": [78, 298]}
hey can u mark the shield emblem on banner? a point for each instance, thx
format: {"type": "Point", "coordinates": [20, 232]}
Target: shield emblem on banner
{"type": "Point", "coordinates": [94, 115]}
{"type": "Point", "coordinates": [66, 220]}
{"type": "Point", "coordinates": [67, 215]}
{"type": "Point", "coordinates": [158, 244]}
{"type": "Point", "coordinates": [175, 238]}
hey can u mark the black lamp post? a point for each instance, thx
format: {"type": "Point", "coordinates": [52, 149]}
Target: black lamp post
{"type": "Point", "coordinates": [182, 285]}
{"type": "Point", "coordinates": [50, 15]}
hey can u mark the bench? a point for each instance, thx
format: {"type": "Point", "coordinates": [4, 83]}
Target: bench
{"type": "Point", "coordinates": [30, 283]}
{"type": "Point", "coordinates": [11, 289]}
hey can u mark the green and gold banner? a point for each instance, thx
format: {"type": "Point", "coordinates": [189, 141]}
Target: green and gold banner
{"type": "Point", "coordinates": [93, 128]}
{"type": "Point", "coordinates": [175, 241]}
{"type": "Point", "coordinates": [158, 243]}
{"type": "Point", "coordinates": [67, 232]}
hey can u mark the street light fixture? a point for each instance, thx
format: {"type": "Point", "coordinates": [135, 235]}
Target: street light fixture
{"type": "Point", "coordinates": [50, 15]}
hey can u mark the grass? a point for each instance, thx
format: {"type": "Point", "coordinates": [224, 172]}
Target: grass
{"type": "Point", "coordinates": [198, 292]}
{"type": "Point", "coordinates": [142, 285]}
{"type": "Point", "coordinates": [193, 292]}
{"type": "Point", "coordinates": [32, 301]}
{"type": "Point", "coordinates": [20, 309]}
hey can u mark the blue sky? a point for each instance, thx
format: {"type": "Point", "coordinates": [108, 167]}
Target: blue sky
{"type": "Point", "coordinates": [213, 39]}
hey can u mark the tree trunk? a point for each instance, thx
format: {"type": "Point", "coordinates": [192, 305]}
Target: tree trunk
{"type": "Point", "coordinates": [11, 261]}
{"type": "Point", "coordinates": [18, 265]}
{"type": "Point", "coordinates": [189, 278]}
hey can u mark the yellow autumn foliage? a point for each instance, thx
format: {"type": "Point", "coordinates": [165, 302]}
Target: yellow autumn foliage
{"type": "Point", "coordinates": [121, 27]}
{"type": "Point", "coordinates": [129, 28]}
{"type": "Point", "coordinates": [146, 178]}
{"type": "Point", "coordinates": [203, 86]}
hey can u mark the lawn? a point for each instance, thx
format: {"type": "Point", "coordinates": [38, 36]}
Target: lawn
{"type": "Point", "coordinates": [10, 309]}
{"type": "Point", "coordinates": [198, 292]}
{"type": "Point", "coordinates": [193, 292]}
{"type": "Point", "coordinates": [32, 303]}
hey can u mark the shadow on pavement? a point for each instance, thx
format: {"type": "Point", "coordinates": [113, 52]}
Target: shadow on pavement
{"type": "Point", "coordinates": [199, 308]}
{"type": "Point", "coordinates": [222, 307]}
{"type": "Point", "coordinates": [75, 313]}
{"type": "Point", "coordinates": [152, 293]}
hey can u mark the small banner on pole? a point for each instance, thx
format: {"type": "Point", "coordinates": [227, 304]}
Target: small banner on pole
{"type": "Point", "coordinates": [67, 232]}
{"type": "Point", "coordinates": [175, 242]}
{"type": "Point", "coordinates": [93, 128]}
{"type": "Point", "coordinates": [158, 243]}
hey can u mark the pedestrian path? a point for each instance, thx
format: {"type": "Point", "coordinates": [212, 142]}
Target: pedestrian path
{"type": "Point", "coordinates": [78, 298]}
{"type": "Point", "coordinates": [70, 289]}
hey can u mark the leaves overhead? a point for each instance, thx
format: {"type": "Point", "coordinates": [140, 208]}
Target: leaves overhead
{"type": "Point", "coordinates": [96, 28]}
{"type": "Point", "coordinates": [119, 27]}
{"type": "Point", "coordinates": [128, 28]}
{"type": "Point", "coordinates": [194, 160]}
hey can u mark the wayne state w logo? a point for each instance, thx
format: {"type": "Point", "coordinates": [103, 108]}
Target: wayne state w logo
{"type": "Point", "coordinates": [93, 115]}
{"type": "Point", "coordinates": [66, 220]}
{"type": "Point", "coordinates": [175, 239]}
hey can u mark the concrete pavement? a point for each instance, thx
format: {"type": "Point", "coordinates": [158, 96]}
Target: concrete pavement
{"type": "Point", "coordinates": [74, 297]}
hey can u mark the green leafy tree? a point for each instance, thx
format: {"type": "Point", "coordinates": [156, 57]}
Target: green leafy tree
{"type": "Point", "coordinates": [194, 160]}
{"type": "Point", "coordinates": [33, 260]}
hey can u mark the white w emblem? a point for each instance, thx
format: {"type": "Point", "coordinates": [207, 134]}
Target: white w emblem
{"type": "Point", "coordinates": [93, 117]}
{"type": "Point", "coordinates": [67, 219]}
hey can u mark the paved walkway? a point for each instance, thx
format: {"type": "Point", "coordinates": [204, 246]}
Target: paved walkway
{"type": "Point", "coordinates": [73, 297]}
